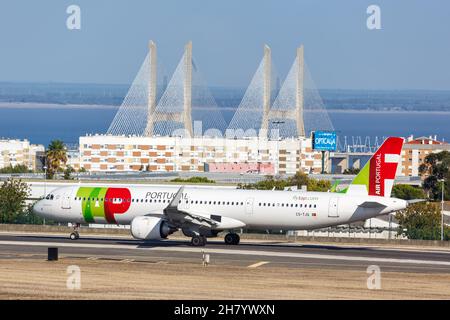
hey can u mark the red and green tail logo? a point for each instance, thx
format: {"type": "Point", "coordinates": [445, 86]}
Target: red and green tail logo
{"type": "Point", "coordinates": [103, 203]}
{"type": "Point", "coordinates": [378, 174]}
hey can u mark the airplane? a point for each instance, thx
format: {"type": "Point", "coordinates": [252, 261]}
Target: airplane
{"type": "Point", "coordinates": [155, 212]}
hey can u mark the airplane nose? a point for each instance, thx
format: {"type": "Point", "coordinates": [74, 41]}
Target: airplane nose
{"type": "Point", "coordinates": [38, 208]}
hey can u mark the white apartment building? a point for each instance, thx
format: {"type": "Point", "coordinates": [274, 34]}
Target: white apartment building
{"type": "Point", "coordinates": [15, 152]}
{"type": "Point", "coordinates": [414, 152]}
{"type": "Point", "coordinates": [100, 153]}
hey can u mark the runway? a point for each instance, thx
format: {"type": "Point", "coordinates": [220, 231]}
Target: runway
{"type": "Point", "coordinates": [251, 254]}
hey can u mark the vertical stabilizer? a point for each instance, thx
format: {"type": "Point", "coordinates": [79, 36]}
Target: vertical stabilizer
{"type": "Point", "coordinates": [377, 177]}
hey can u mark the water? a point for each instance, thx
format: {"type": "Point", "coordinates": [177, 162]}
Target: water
{"type": "Point", "coordinates": [41, 125]}
{"type": "Point", "coordinates": [374, 113]}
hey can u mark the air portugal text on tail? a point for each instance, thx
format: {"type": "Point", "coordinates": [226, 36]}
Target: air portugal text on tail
{"type": "Point", "coordinates": [377, 177]}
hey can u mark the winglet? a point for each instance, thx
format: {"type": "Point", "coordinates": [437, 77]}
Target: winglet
{"type": "Point", "coordinates": [176, 199]}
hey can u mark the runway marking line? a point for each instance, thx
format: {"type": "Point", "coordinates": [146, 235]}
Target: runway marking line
{"type": "Point", "coordinates": [127, 260]}
{"type": "Point", "coordinates": [258, 264]}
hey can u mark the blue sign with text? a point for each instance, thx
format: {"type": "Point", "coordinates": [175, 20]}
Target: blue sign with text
{"type": "Point", "coordinates": [324, 141]}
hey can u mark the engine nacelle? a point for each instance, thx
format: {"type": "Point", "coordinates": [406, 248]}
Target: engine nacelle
{"type": "Point", "coordinates": [150, 228]}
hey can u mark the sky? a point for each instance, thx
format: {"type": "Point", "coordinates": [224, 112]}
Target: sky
{"type": "Point", "coordinates": [410, 51]}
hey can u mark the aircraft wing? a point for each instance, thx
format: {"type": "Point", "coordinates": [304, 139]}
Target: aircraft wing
{"type": "Point", "coordinates": [180, 217]}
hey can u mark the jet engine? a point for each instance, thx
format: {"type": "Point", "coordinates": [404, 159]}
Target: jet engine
{"type": "Point", "coordinates": [150, 228]}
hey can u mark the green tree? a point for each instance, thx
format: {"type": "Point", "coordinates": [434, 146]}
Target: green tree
{"type": "Point", "coordinates": [27, 216]}
{"type": "Point", "coordinates": [421, 221]}
{"type": "Point", "coordinates": [56, 157]}
{"type": "Point", "coordinates": [20, 168]}
{"type": "Point", "coordinates": [68, 173]}
{"type": "Point", "coordinates": [319, 185]}
{"type": "Point", "coordinates": [436, 166]}
{"type": "Point", "coordinates": [407, 192]}
{"type": "Point", "coordinates": [13, 194]}
{"type": "Point", "coordinates": [194, 180]}
{"type": "Point", "coordinates": [352, 171]}
{"type": "Point", "coordinates": [299, 179]}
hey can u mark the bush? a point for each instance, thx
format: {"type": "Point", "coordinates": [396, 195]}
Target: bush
{"type": "Point", "coordinates": [20, 168]}
{"type": "Point", "coordinates": [407, 192]}
{"type": "Point", "coordinates": [13, 194]}
{"type": "Point", "coordinates": [421, 221]}
{"type": "Point", "coordinates": [299, 179]}
{"type": "Point", "coordinates": [193, 180]}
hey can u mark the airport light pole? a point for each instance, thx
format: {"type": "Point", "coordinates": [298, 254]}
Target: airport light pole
{"type": "Point", "coordinates": [45, 181]}
{"type": "Point", "coordinates": [442, 209]}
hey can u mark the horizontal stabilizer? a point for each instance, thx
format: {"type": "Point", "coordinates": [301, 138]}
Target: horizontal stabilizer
{"type": "Point", "coordinates": [372, 204]}
{"type": "Point", "coordinates": [415, 201]}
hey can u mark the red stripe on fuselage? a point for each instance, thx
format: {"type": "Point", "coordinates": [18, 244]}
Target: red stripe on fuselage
{"type": "Point", "coordinates": [118, 203]}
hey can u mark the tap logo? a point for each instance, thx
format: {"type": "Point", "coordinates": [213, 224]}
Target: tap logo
{"type": "Point", "coordinates": [98, 204]}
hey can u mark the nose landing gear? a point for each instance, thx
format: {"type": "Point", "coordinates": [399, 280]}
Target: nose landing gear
{"type": "Point", "coordinates": [75, 234]}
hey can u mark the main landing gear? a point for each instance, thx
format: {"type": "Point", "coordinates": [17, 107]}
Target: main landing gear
{"type": "Point", "coordinates": [198, 241]}
{"type": "Point", "coordinates": [75, 235]}
{"type": "Point", "coordinates": [232, 238]}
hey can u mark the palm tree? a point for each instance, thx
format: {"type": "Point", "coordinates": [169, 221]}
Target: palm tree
{"type": "Point", "coordinates": [55, 157]}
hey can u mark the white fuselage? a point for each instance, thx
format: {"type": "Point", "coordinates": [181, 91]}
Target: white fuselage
{"type": "Point", "coordinates": [257, 209]}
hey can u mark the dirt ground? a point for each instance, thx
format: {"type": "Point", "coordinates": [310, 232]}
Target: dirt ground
{"type": "Point", "coordinates": [37, 279]}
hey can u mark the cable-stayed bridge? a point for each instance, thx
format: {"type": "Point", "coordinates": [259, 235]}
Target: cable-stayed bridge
{"type": "Point", "coordinates": [185, 106]}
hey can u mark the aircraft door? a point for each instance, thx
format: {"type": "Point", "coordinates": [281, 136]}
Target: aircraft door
{"type": "Point", "coordinates": [249, 206]}
{"type": "Point", "coordinates": [65, 201]}
{"type": "Point", "coordinates": [333, 207]}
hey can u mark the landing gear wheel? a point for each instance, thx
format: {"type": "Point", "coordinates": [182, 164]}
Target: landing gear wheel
{"type": "Point", "coordinates": [237, 239]}
{"type": "Point", "coordinates": [198, 241]}
{"type": "Point", "coordinates": [232, 239]}
{"type": "Point", "coordinates": [74, 236]}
